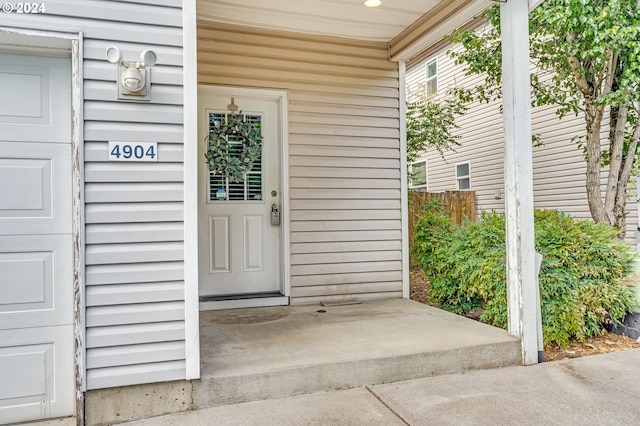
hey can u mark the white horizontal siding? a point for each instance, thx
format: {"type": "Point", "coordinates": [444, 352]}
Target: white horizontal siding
{"type": "Point", "coordinates": [134, 273]}
{"type": "Point", "coordinates": [107, 233]}
{"type": "Point", "coordinates": [125, 355]}
{"type": "Point", "coordinates": [344, 152]}
{"type": "Point", "coordinates": [96, 90]}
{"type": "Point", "coordinates": [111, 315]}
{"type": "Point", "coordinates": [94, 28]}
{"type": "Point", "coordinates": [108, 254]}
{"type": "Point", "coordinates": [134, 334]}
{"type": "Point", "coordinates": [125, 192]}
{"type": "Point", "coordinates": [133, 113]}
{"type": "Point", "coordinates": [558, 166]}
{"type": "Point", "coordinates": [138, 293]}
{"type": "Point", "coordinates": [95, 50]}
{"type": "Point", "coordinates": [99, 131]}
{"type": "Point", "coordinates": [136, 373]}
{"type": "Point", "coordinates": [160, 74]}
{"type": "Point", "coordinates": [133, 213]}
{"type": "Point", "coordinates": [133, 172]}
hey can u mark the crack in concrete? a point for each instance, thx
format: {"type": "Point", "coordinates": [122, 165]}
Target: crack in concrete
{"type": "Point", "coordinates": [387, 405]}
{"type": "Point", "coordinates": [591, 379]}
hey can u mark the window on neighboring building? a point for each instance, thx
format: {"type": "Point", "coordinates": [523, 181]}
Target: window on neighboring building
{"type": "Point", "coordinates": [463, 175]}
{"type": "Point", "coordinates": [418, 174]}
{"type": "Point", "coordinates": [432, 77]}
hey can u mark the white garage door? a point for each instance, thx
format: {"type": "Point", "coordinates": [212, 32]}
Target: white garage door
{"type": "Point", "coordinates": [36, 252]}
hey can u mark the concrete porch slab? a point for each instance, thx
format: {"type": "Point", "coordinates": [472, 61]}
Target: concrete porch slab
{"type": "Point", "coordinates": [265, 353]}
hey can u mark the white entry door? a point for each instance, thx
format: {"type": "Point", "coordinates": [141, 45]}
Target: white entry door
{"type": "Point", "coordinates": [239, 244]}
{"type": "Point", "coordinates": [36, 250]}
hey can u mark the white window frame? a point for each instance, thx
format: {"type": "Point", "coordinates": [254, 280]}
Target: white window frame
{"type": "Point", "coordinates": [462, 177]}
{"type": "Point", "coordinates": [433, 77]}
{"type": "Point", "coordinates": [426, 175]}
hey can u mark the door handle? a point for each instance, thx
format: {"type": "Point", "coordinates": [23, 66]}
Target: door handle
{"type": "Point", "coordinates": [275, 215]}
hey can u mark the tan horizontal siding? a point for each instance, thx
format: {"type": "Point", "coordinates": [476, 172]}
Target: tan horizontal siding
{"type": "Point", "coordinates": [344, 246]}
{"type": "Point", "coordinates": [369, 295]}
{"type": "Point", "coordinates": [344, 152]}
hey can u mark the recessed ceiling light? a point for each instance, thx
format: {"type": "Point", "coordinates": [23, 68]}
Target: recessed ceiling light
{"type": "Point", "coordinates": [372, 3]}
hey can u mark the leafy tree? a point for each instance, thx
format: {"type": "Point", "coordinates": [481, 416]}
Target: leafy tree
{"type": "Point", "coordinates": [585, 59]}
{"type": "Point", "coordinates": [431, 124]}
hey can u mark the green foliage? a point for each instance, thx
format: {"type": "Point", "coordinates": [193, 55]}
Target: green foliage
{"type": "Point", "coordinates": [585, 59]}
{"type": "Point", "coordinates": [233, 147]}
{"type": "Point", "coordinates": [434, 228]}
{"type": "Point", "coordinates": [431, 124]}
{"type": "Point", "coordinates": [580, 278]}
{"type": "Point", "coordinates": [601, 35]}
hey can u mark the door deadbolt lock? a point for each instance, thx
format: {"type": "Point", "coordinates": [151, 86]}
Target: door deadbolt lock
{"type": "Point", "coordinates": [275, 215]}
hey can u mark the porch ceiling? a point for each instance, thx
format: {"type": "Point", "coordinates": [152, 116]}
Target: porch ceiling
{"type": "Point", "coordinates": [397, 22]}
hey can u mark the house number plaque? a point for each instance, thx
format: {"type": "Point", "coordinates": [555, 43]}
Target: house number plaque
{"type": "Point", "coordinates": [133, 151]}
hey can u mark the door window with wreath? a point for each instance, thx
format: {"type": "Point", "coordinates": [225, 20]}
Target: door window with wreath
{"type": "Point", "coordinates": [234, 156]}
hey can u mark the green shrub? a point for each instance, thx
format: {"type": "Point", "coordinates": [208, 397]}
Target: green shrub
{"type": "Point", "coordinates": [580, 277]}
{"type": "Point", "coordinates": [434, 228]}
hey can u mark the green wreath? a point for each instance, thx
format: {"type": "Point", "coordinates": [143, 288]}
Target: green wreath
{"type": "Point", "coordinates": [224, 155]}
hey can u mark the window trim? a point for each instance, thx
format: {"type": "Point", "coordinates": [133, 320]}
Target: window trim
{"type": "Point", "coordinates": [425, 185]}
{"type": "Point", "coordinates": [462, 177]}
{"type": "Point", "coordinates": [433, 77]}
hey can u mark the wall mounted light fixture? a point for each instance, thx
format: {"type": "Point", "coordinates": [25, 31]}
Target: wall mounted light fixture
{"type": "Point", "coordinates": [133, 77]}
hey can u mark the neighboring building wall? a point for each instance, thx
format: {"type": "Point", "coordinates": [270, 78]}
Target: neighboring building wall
{"type": "Point", "coordinates": [134, 211]}
{"type": "Point", "coordinates": [558, 166]}
{"type": "Point", "coordinates": [344, 152]}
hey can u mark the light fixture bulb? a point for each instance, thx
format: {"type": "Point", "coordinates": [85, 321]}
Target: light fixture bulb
{"type": "Point", "coordinates": [372, 3]}
{"type": "Point", "coordinates": [133, 79]}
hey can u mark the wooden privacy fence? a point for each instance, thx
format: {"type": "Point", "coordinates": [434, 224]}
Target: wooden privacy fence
{"type": "Point", "coordinates": [460, 204]}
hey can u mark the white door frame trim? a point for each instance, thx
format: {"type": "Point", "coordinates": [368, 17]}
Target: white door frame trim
{"type": "Point", "coordinates": [281, 97]}
{"type": "Point", "coordinates": [35, 40]}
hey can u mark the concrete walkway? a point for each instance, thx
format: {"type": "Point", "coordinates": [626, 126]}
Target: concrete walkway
{"type": "Point", "coordinates": [596, 390]}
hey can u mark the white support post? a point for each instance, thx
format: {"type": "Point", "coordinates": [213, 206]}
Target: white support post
{"type": "Point", "coordinates": [518, 176]}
